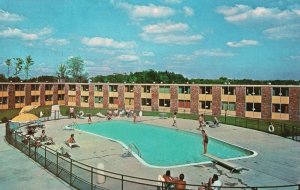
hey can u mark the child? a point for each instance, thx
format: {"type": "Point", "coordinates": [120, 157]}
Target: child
{"type": "Point", "coordinates": [174, 120]}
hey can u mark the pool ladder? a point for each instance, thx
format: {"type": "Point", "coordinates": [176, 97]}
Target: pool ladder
{"type": "Point", "coordinates": [133, 146]}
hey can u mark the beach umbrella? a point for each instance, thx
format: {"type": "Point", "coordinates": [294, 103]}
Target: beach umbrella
{"type": "Point", "coordinates": [26, 109]}
{"type": "Point", "coordinates": [25, 118]}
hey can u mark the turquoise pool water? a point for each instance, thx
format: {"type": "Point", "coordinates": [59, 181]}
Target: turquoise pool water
{"type": "Point", "coordinates": [163, 147]}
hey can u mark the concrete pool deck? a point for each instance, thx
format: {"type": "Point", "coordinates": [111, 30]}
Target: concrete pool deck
{"type": "Point", "coordinates": [277, 162]}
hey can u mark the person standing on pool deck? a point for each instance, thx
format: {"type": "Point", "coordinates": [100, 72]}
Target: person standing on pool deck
{"type": "Point", "coordinates": [204, 141]}
{"type": "Point", "coordinates": [174, 119]}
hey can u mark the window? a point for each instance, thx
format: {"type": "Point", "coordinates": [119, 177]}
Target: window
{"type": "Point", "coordinates": [48, 97]}
{"type": "Point", "coordinates": [72, 98]}
{"type": "Point", "coordinates": [99, 99]}
{"type": "Point", "coordinates": [184, 104]}
{"type": "Point", "coordinates": [98, 88]}
{"type": "Point", "coordinates": [278, 91]}
{"type": "Point", "coordinates": [184, 90]}
{"type": "Point", "coordinates": [20, 99]}
{"type": "Point", "coordinates": [61, 97]}
{"type": "Point", "coordinates": [35, 87]}
{"type": "Point", "coordinates": [3, 87]}
{"type": "Point", "coordinates": [228, 106]}
{"type": "Point", "coordinates": [3, 100]}
{"type": "Point", "coordinates": [228, 90]}
{"type": "Point", "coordinates": [113, 100]}
{"type": "Point", "coordinates": [164, 102]}
{"type": "Point", "coordinates": [85, 87]}
{"type": "Point", "coordinates": [61, 87]}
{"type": "Point", "coordinates": [20, 87]}
{"type": "Point", "coordinates": [35, 98]}
{"type": "Point", "coordinates": [253, 91]}
{"type": "Point", "coordinates": [48, 87]}
{"type": "Point", "coordinates": [129, 88]}
{"type": "Point", "coordinates": [164, 89]}
{"type": "Point", "coordinates": [146, 102]}
{"type": "Point", "coordinates": [146, 89]}
{"type": "Point", "coordinates": [113, 88]}
{"type": "Point", "coordinates": [205, 104]}
{"type": "Point", "coordinates": [205, 90]}
{"type": "Point", "coordinates": [129, 101]}
{"type": "Point", "coordinates": [72, 87]}
{"type": "Point", "coordinates": [280, 108]}
{"type": "Point", "coordinates": [255, 107]}
{"type": "Point", "coordinates": [84, 98]}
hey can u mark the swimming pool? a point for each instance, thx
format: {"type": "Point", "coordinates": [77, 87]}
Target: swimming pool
{"type": "Point", "coordinates": [161, 146]}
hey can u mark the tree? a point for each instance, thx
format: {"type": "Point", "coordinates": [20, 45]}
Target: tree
{"type": "Point", "coordinates": [8, 63]}
{"type": "Point", "coordinates": [29, 62]}
{"type": "Point", "coordinates": [19, 65]}
{"type": "Point", "coordinates": [76, 69]}
{"type": "Point", "coordinates": [62, 71]}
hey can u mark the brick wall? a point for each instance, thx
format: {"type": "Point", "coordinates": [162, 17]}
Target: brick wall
{"type": "Point", "coordinates": [154, 97]}
{"type": "Point", "coordinates": [240, 101]}
{"type": "Point", "coordinates": [194, 99]}
{"type": "Point", "coordinates": [66, 94]}
{"type": "Point", "coordinates": [105, 95]}
{"type": "Point", "coordinates": [27, 94]}
{"type": "Point", "coordinates": [121, 91]}
{"type": "Point", "coordinates": [216, 100]}
{"type": "Point", "coordinates": [266, 102]}
{"type": "Point", "coordinates": [137, 97]}
{"type": "Point", "coordinates": [294, 104]}
{"type": "Point", "coordinates": [55, 94]}
{"type": "Point", "coordinates": [173, 98]}
{"type": "Point", "coordinates": [91, 96]}
{"type": "Point", "coordinates": [42, 94]}
{"type": "Point", "coordinates": [11, 96]}
{"type": "Point", "coordinates": [78, 95]}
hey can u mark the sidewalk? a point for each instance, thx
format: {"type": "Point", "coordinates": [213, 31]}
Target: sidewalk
{"type": "Point", "coordinates": [17, 171]}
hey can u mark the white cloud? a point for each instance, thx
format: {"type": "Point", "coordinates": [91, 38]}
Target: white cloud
{"type": "Point", "coordinates": [295, 57]}
{"type": "Point", "coordinates": [17, 33]}
{"type": "Point", "coordinates": [286, 31]}
{"type": "Point", "coordinates": [172, 38]}
{"type": "Point", "coordinates": [9, 17]}
{"type": "Point", "coordinates": [213, 53]}
{"type": "Point", "coordinates": [181, 58]}
{"type": "Point", "coordinates": [242, 43]}
{"type": "Point", "coordinates": [165, 28]}
{"type": "Point", "coordinates": [168, 33]}
{"type": "Point", "coordinates": [147, 54]}
{"type": "Point", "coordinates": [107, 42]}
{"type": "Point", "coordinates": [45, 31]}
{"type": "Point", "coordinates": [56, 42]}
{"type": "Point", "coordinates": [147, 11]}
{"type": "Point", "coordinates": [127, 58]}
{"type": "Point", "coordinates": [173, 1]}
{"type": "Point", "coordinates": [188, 11]}
{"type": "Point", "coordinates": [240, 13]}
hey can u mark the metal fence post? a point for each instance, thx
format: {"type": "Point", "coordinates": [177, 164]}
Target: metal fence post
{"type": "Point", "coordinates": [71, 171]}
{"type": "Point", "coordinates": [92, 178]}
{"type": "Point", "coordinates": [15, 141]}
{"type": "Point", "coordinates": [45, 157]}
{"type": "Point", "coordinates": [246, 122]}
{"type": "Point", "coordinates": [29, 147]}
{"type": "Point", "coordinates": [122, 182]}
{"type": "Point", "coordinates": [56, 163]}
{"type": "Point", "coordinates": [35, 153]}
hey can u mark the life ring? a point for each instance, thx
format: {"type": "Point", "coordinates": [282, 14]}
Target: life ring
{"type": "Point", "coordinates": [271, 128]}
{"type": "Point", "coordinates": [81, 113]}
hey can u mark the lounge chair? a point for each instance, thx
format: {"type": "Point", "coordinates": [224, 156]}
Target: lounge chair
{"type": "Point", "coordinates": [100, 115]}
{"type": "Point", "coordinates": [72, 145]}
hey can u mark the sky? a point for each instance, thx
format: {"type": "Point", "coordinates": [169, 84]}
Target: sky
{"type": "Point", "coordinates": [197, 38]}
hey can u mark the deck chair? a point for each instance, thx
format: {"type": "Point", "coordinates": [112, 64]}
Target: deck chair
{"type": "Point", "coordinates": [100, 115]}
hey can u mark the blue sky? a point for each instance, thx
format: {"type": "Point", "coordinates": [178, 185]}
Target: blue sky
{"type": "Point", "coordinates": [197, 38]}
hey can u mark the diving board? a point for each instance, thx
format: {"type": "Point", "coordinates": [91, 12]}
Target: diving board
{"type": "Point", "coordinates": [233, 167]}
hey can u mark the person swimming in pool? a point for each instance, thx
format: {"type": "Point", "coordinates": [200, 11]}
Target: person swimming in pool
{"type": "Point", "coordinates": [204, 141]}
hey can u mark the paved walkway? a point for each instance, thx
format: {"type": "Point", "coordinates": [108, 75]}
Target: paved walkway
{"type": "Point", "coordinates": [277, 162]}
{"type": "Point", "coordinates": [18, 172]}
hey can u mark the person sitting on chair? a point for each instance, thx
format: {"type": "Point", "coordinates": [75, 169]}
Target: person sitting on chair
{"type": "Point", "coordinates": [216, 121]}
{"type": "Point", "coordinates": [71, 142]}
{"type": "Point", "coordinates": [46, 139]}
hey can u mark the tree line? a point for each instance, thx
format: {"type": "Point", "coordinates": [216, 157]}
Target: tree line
{"type": "Point", "coordinates": [73, 70]}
